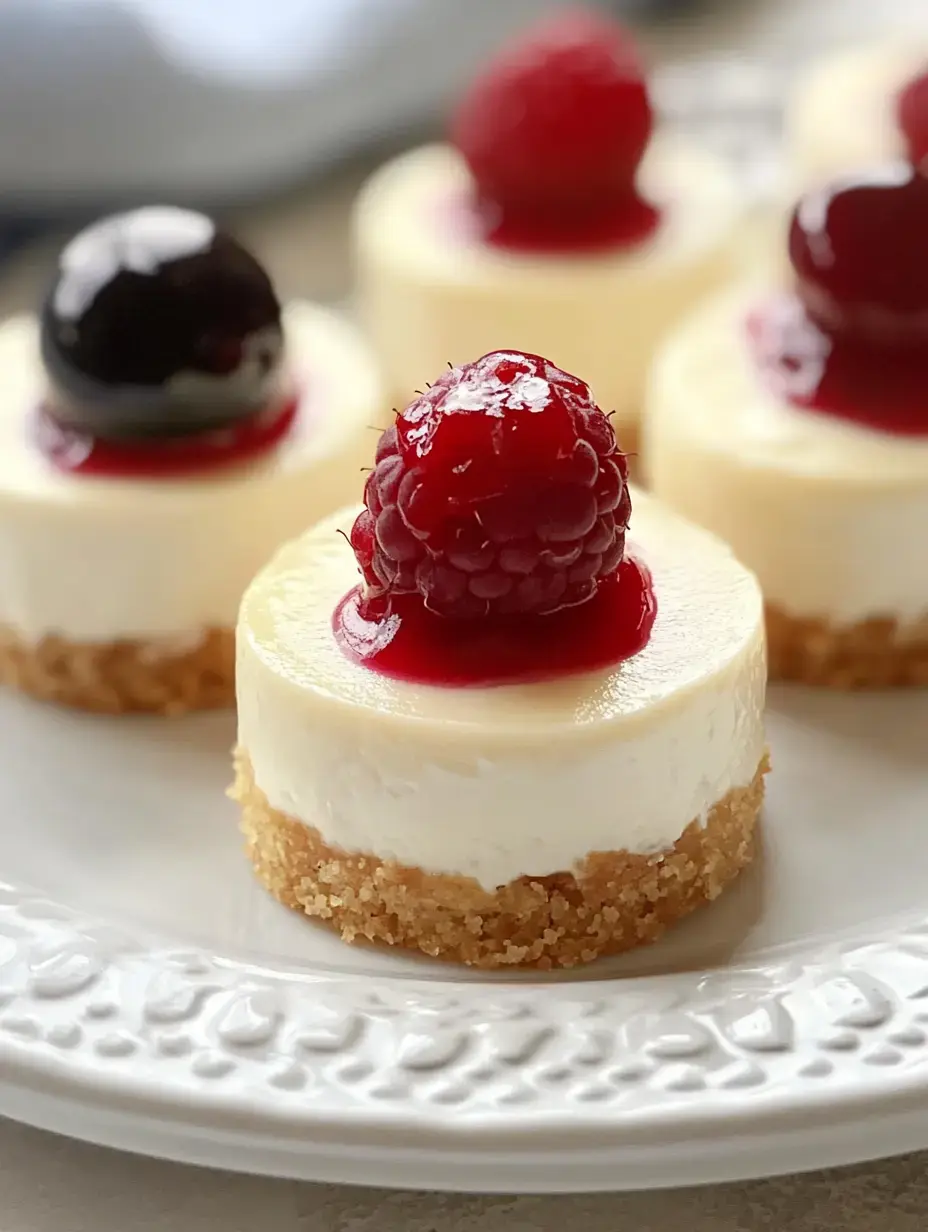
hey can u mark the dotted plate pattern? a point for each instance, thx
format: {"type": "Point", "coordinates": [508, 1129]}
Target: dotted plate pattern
{"type": "Point", "coordinates": [72, 989]}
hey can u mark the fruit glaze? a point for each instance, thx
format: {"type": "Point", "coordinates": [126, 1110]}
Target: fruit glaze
{"type": "Point", "coordinates": [852, 339]}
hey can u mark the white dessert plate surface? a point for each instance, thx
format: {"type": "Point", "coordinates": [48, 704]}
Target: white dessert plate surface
{"type": "Point", "coordinates": [152, 997]}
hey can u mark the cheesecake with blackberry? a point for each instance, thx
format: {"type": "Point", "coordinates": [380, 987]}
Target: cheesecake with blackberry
{"type": "Point", "coordinates": [165, 425]}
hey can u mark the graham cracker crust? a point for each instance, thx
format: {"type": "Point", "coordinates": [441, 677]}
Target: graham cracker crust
{"type": "Point", "coordinates": [615, 901]}
{"type": "Point", "coordinates": [125, 676]}
{"type": "Point", "coordinates": [874, 654]}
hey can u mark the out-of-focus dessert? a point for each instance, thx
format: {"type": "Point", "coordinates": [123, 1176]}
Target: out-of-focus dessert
{"type": "Point", "coordinates": [165, 427]}
{"type": "Point", "coordinates": [556, 221]}
{"type": "Point", "coordinates": [793, 422]}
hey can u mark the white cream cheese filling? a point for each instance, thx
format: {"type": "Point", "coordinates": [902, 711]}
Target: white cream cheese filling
{"type": "Point", "coordinates": [831, 516]}
{"type": "Point", "coordinates": [99, 559]}
{"type": "Point", "coordinates": [432, 294]}
{"type": "Point", "coordinates": [496, 783]}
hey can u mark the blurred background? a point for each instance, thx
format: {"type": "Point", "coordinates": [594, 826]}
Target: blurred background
{"type": "Point", "coordinates": [271, 112]}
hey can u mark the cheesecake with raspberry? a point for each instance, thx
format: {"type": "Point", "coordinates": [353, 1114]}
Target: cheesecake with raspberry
{"type": "Point", "coordinates": [165, 426]}
{"type": "Point", "coordinates": [520, 723]}
{"type": "Point", "coordinates": [793, 422]}
{"type": "Point", "coordinates": [858, 108]}
{"type": "Point", "coordinates": [553, 220]}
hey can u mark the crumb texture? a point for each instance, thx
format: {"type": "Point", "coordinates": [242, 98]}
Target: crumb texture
{"type": "Point", "coordinates": [123, 677]}
{"type": "Point", "coordinates": [874, 654]}
{"type": "Point", "coordinates": [613, 901]}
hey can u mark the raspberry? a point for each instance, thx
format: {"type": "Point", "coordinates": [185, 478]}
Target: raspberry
{"type": "Point", "coordinates": [912, 114]}
{"type": "Point", "coordinates": [499, 492]}
{"type": "Point", "coordinates": [557, 123]}
{"type": "Point", "coordinates": [855, 249]}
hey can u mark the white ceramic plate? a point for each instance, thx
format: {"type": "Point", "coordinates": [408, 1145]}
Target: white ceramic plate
{"type": "Point", "coordinates": [153, 998]}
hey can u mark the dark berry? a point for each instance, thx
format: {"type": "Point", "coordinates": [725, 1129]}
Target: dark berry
{"type": "Point", "coordinates": [858, 251]}
{"type": "Point", "coordinates": [558, 121]}
{"type": "Point", "coordinates": [500, 491]}
{"type": "Point", "coordinates": [159, 324]}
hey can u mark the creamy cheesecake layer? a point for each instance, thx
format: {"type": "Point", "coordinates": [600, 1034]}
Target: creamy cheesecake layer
{"type": "Point", "coordinates": [96, 559]}
{"type": "Point", "coordinates": [495, 783]}
{"type": "Point", "coordinates": [432, 292]}
{"type": "Point", "coordinates": [832, 517]}
{"type": "Point", "coordinates": [842, 115]}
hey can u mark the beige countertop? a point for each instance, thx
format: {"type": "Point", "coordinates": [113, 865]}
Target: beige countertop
{"type": "Point", "coordinates": [48, 1184]}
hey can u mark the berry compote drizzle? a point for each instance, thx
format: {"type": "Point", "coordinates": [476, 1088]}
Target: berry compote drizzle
{"type": "Point", "coordinates": [402, 639]}
{"type": "Point", "coordinates": [852, 341]}
{"type": "Point", "coordinates": [82, 453]}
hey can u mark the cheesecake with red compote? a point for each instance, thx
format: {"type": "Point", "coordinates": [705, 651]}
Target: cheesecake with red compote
{"type": "Point", "coordinates": [792, 421]}
{"type": "Point", "coordinates": [497, 715]}
{"type": "Point", "coordinates": [558, 217]}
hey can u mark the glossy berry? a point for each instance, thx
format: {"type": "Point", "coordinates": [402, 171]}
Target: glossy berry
{"type": "Point", "coordinates": [158, 324]}
{"type": "Point", "coordinates": [858, 251]}
{"type": "Point", "coordinates": [500, 491]}
{"type": "Point", "coordinates": [912, 112]}
{"type": "Point", "coordinates": [556, 125]}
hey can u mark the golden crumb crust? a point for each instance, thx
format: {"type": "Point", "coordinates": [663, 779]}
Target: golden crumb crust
{"type": "Point", "coordinates": [613, 902]}
{"type": "Point", "coordinates": [123, 677]}
{"type": "Point", "coordinates": [873, 654]}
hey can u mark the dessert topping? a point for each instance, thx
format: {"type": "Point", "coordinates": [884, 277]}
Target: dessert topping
{"type": "Point", "coordinates": [501, 490]}
{"type": "Point", "coordinates": [162, 340]}
{"type": "Point", "coordinates": [554, 130]}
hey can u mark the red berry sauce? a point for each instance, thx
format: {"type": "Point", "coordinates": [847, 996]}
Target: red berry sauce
{"type": "Point", "coordinates": [853, 340]}
{"type": "Point", "coordinates": [492, 541]}
{"type": "Point", "coordinates": [624, 226]}
{"type": "Point", "coordinates": [167, 457]}
{"type": "Point", "coordinates": [401, 638]}
{"type": "Point", "coordinates": [553, 131]}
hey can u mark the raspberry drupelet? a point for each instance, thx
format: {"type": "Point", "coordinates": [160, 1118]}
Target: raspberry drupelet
{"type": "Point", "coordinates": [499, 492]}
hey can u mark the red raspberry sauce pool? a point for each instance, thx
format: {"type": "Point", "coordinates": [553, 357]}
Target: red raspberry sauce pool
{"type": "Point", "coordinates": [621, 228]}
{"type": "Point", "coordinates": [624, 227]}
{"type": "Point", "coordinates": [407, 642]}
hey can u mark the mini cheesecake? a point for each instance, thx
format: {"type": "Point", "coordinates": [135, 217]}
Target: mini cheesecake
{"type": "Point", "coordinates": [165, 426]}
{"type": "Point", "coordinates": [793, 422]}
{"type": "Point", "coordinates": [857, 108]}
{"type": "Point", "coordinates": [533, 734]}
{"type": "Point", "coordinates": [572, 233]}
